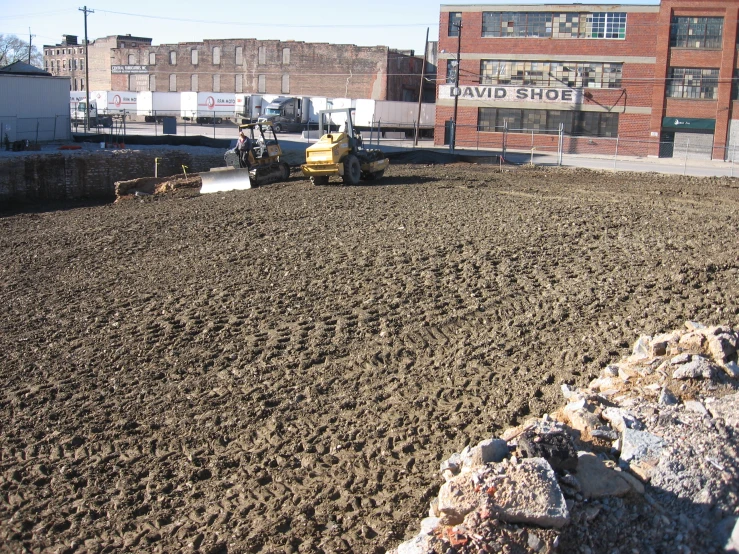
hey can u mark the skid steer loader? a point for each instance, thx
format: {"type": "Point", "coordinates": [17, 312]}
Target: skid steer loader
{"type": "Point", "coordinates": [258, 166]}
{"type": "Point", "coordinates": [342, 154]}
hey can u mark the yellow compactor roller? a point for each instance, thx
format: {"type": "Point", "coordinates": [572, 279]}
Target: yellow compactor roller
{"type": "Point", "coordinates": [342, 154]}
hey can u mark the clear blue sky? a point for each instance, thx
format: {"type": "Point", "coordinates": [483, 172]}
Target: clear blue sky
{"type": "Point", "coordinates": [395, 23]}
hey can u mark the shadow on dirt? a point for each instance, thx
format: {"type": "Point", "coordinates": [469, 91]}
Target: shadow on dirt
{"type": "Point", "coordinates": [19, 208]}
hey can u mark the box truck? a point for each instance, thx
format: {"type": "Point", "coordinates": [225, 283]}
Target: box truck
{"type": "Point", "coordinates": [208, 107]}
{"type": "Point", "coordinates": [114, 102]}
{"type": "Point", "coordinates": [155, 106]}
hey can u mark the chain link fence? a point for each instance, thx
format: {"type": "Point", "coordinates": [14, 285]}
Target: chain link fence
{"type": "Point", "coordinates": [685, 153]}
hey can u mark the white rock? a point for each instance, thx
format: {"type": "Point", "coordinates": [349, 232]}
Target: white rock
{"type": "Point", "coordinates": [726, 408]}
{"type": "Point", "coordinates": [732, 368]}
{"type": "Point", "coordinates": [695, 407]}
{"type": "Point", "coordinates": [529, 493]}
{"type": "Point", "coordinates": [640, 445]}
{"type": "Point", "coordinates": [642, 347]}
{"type": "Point", "coordinates": [621, 419]}
{"type": "Point", "coordinates": [698, 367]}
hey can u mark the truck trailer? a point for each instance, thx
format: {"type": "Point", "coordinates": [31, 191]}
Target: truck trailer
{"type": "Point", "coordinates": [110, 102]}
{"type": "Point", "coordinates": [208, 107]}
{"type": "Point", "coordinates": [155, 106]}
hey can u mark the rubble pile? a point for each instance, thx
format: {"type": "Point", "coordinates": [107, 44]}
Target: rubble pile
{"type": "Point", "coordinates": [645, 459]}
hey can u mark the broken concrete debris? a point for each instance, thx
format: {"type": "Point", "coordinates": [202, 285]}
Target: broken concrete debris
{"type": "Point", "coordinates": [649, 432]}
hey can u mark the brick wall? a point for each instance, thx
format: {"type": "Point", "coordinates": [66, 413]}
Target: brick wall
{"type": "Point", "coordinates": [314, 69]}
{"type": "Point", "coordinates": [39, 178]}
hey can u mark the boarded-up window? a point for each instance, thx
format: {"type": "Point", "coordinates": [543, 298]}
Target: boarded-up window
{"type": "Point", "coordinates": [216, 55]}
{"type": "Point", "coordinates": [152, 82]}
{"type": "Point", "coordinates": [262, 55]}
{"type": "Point", "coordinates": [194, 83]}
{"type": "Point", "coordinates": [194, 56]}
{"type": "Point", "coordinates": [173, 57]}
{"type": "Point", "coordinates": [131, 59]}
{"type": "Point", "coordinates": [262, 83]}
{"type": "Point", "coordinates": [239, 55]}
{"type": "Point", "coordinates": [286, 83]}
{"type": "Point", "coordinates": [173, 83]}
{"type": "Point", "coordinates": [216, 83]}
{"type": "Point", "coordinates": [138, 82]}
{"type": "Point", "coordinates": [152, 58]}
{"type": "Point", "coordinates": [238, 83]}
{"type": "Point", "coordinates": [285, 56]}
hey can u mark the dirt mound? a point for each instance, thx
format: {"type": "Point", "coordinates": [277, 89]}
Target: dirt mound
{"type": "Point", "coordinates": [283, 369]}
{"type": "Point", "coordinates": [177, 185]}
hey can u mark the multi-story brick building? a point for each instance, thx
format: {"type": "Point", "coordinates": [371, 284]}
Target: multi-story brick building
{"type": "Point", "coordinates": [67, 59]}
{"type": "Point", "coordinates": [654, 77]}
{"type": "Point", "coordinates": [270, 67]}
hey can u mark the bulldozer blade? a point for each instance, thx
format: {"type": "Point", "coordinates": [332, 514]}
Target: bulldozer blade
{"type": "Point", "coordinates": [225, 179]}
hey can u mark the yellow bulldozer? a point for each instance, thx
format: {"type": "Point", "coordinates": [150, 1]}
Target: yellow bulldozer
{"type": "Point", "coordinates": [257, 165]}
{"type": "Point", "coordinates": [342, 154]}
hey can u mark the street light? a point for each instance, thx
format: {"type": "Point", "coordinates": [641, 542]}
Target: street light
{"type": "Point", "coordinates": [453, 138]}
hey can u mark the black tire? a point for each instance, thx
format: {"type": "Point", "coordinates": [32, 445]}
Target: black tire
{"type": "Point", "coordinates": [378, 174]}
{"type": "Point", "coordinates": [319, 180]}
{"type": "Point", "coordinates": [218, 121]}
{"type": "Point", "coordinates": [277, 128]}
{"type": "Point", "coordinates": [352, 170]}
{"type": "Point", "coordinates": [284, 171]}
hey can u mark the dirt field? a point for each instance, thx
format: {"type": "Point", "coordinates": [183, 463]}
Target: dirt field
{"type": "Point", "coordinates": [283, 369]}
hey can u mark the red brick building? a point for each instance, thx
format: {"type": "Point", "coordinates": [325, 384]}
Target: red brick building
{"type": "Point", "coordinates": [269, 67]}
{"type": "Point", "coordinates": [629, 79]}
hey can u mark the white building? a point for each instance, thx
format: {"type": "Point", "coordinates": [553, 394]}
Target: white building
{"type": "Point", "coordinates": [34, 105]}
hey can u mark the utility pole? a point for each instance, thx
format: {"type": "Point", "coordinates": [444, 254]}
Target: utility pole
{"type": "Point", "coordinates": [30, 38]}
{"type": "Point", "coordinates": [453, 141]}
{"type": "Point", "coordinates": [87, 73]}
{"type": "Point", "coordinates": [420, 90]}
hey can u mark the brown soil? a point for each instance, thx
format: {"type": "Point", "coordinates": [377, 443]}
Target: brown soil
{"type": "Point", "coordinates": [282, 369]}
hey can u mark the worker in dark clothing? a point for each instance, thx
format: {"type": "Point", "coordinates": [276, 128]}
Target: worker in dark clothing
{"type": "Point", "coordinates": [243, 147]}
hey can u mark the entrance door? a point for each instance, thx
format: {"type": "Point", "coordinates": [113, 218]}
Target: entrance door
{"type": "Point", "coordinates": [667, 145]}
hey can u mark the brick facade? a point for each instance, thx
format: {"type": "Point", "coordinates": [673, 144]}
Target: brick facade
{"type": "Point", "coordinates": [640, 101]}
{"type": "Point", "coordinates": [271, 67]}
{"type": "Point", "coordinates": [67, 59]}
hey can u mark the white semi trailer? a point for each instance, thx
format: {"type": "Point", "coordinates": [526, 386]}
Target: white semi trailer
{"type": "Point", "coordinates": [208, 107]}
{"type": "Point", "coordinates": [155, 106]}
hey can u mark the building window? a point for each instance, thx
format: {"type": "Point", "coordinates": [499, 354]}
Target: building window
{"type": "Point", "coordinates": [152, 58]}
{"type": "Point", "coordinates": [194, 83]}
{"type": "Point", "coordinates": [455, 20]}
{"type": "Point", "coordinates": [131, 59]}
{"type": "Point", "coordinates": [194, 56]}
{"type": "Point", "coordinates": [262, 55]}
{"type": "Point", "coordinates": [517, 120]}
{"type": "Point", "coordinates": [216, 83]}
{"type": "Point", "coordinates": [173, 83]}
{"type": "Point", "coordinates": [64, 64]}
{"type": "Point", "coordinates": [238, 83]}
{"type": "Point", "coordinates": [697, 32]}
{"type": "Point", "coordinates": [216, 55]}
{"type": "Point", "coordinates": [74, 84]}
{"type": "Point", "coordinates": [123, 45]}
{"type": "Point", "coordinates": [285, 56]}
{"type": "Point", "coordinates": [173, 58]}
{"type": "Point", "coordinates": [82, 63]}
{"type": "Point", "coordinates": [82, 84]}
{"type": "Point", "coordinates": [552, 74]}
{"type": "Point", "coordinates": [692, 83]}
{"type": "Point", "coordinates": [286, 83]}
{"type": "Point", "coordinates": [58, 66]}
{"type": "Point", "coordinates": [74, 62]}
{"type": "Point", "coordinates": [152, 82]}
{"type": "Point", "coordinates": [554, 25]}
{"type": "Point", "coordinates": [262, 83]}
{"type": "Point", "coordinates": [239, 55]}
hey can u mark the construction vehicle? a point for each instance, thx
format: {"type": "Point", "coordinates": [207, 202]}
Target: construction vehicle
{"type": "Point", "coordinates": [342, 153]}
{"type": "Point", "coordinates": [258, 165]}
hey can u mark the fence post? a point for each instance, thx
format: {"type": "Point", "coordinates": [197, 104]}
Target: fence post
{"type": "Point", "coordinates": [561, 144]}
{"type": "Point", "coordinates": [685, 167]}
{"type": "Point", "coordinates": [733, 157]}
{"type": "Point", "coordinates": [615, 156]}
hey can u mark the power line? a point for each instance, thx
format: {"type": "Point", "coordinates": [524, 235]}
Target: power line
{"type": "Point", "coordinates": [278, 25]}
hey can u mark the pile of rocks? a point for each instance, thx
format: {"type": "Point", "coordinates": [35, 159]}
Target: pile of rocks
{"type": "Point", "coordinates": [643, 460]}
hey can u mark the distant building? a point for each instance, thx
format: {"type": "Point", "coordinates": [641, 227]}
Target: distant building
{"type": "Point", "coordinates": [270, 67]}
{"type": "Point", "coordinates": [659, 76]}
{"type": "Point", "coordinates": [67, 59]}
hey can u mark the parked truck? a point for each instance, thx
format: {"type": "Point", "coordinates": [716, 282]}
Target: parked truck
{"type": "Point", "coordinates": [155, 106]}
{"type": "Point", "coordinates": [284, 114]}
{"type": "Point", "coordinates": [111, 102]}
{"type": "Point", "coordinates": [78, 110]}
{"type": "Point", "coordinates": [393, 116]}
{"type": "Point", "coordinates": [208, 107]}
